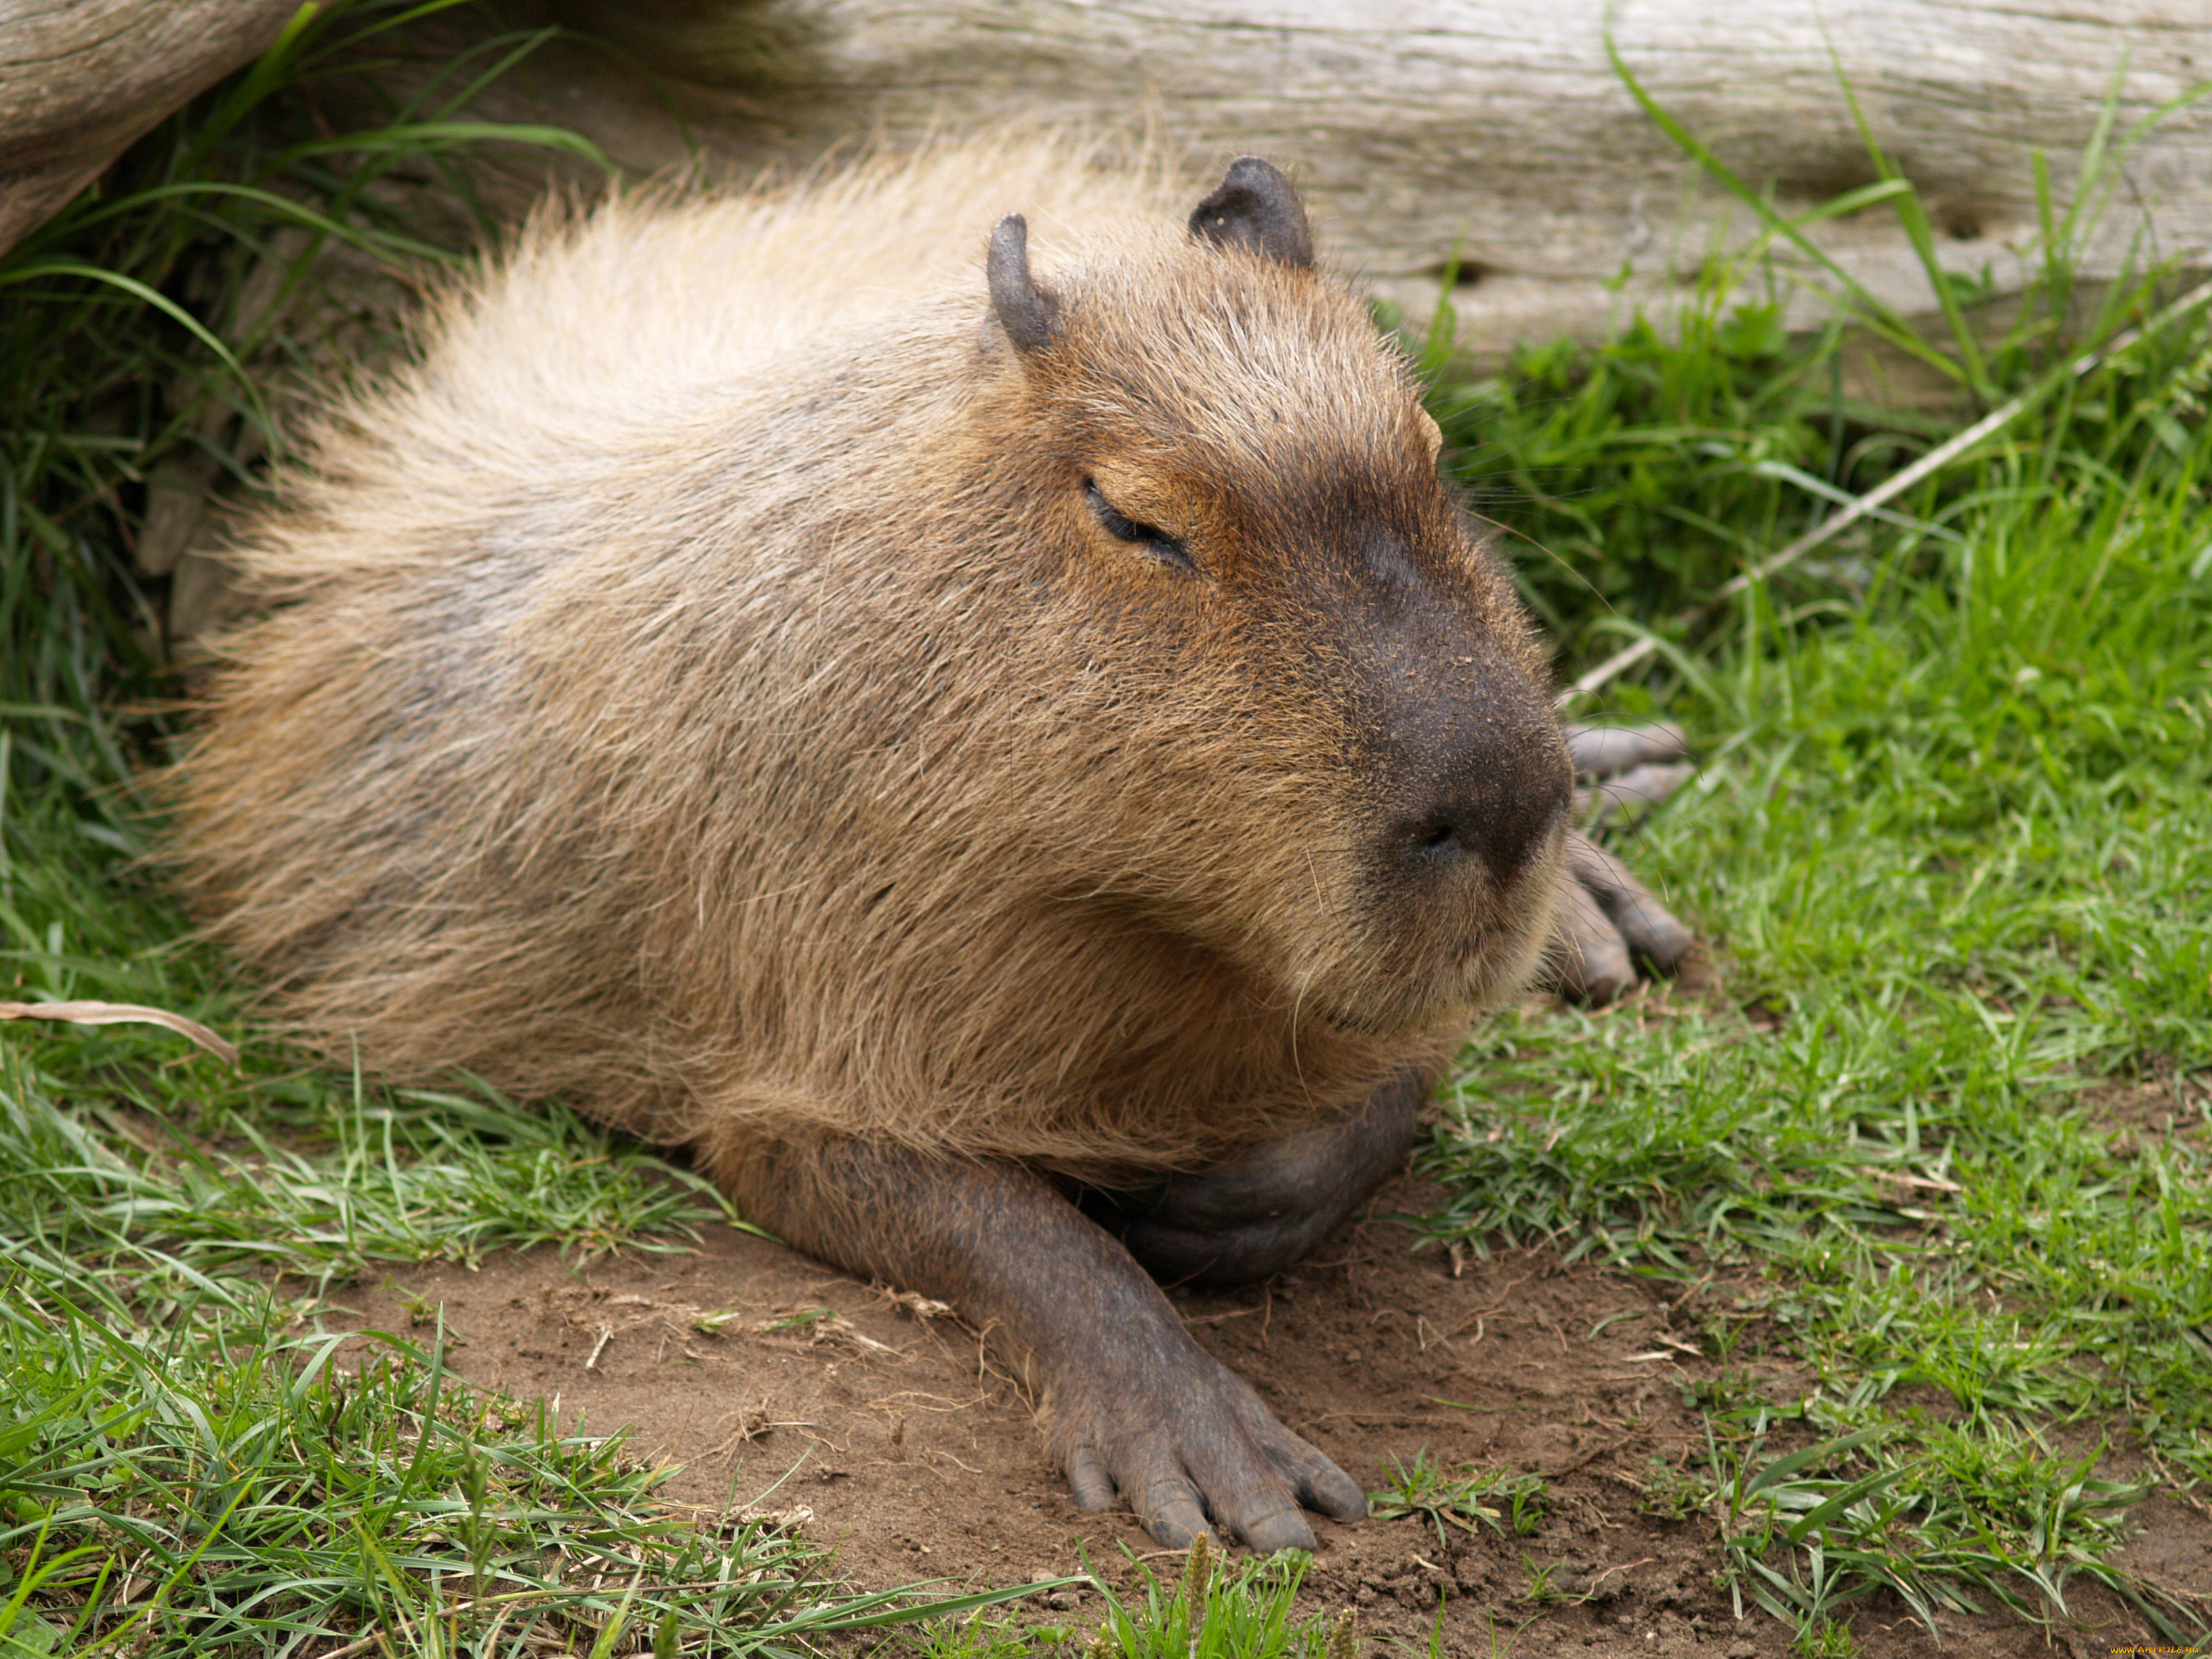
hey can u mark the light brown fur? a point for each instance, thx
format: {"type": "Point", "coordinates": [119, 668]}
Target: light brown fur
{"type": "Point", "coordinates": [697, 690]}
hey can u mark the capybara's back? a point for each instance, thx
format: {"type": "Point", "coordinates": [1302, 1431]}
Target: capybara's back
{"type": "Point", "coordinates": [912, 714]}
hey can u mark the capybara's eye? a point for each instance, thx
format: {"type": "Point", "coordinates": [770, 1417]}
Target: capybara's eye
{"type": "Point", "coordinates": [1438, 840]}
{"type": "Point", "coordinates": [1158, 543]}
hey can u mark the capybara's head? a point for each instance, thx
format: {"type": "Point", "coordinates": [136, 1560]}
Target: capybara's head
{"type": "Point", "coordinates": [1355, 788]}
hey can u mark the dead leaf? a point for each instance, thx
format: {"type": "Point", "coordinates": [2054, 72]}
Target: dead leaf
{"type": "Point", "coordinates": [124, 1013]}
{"type": "Point", "coordinates": [915, 1306]}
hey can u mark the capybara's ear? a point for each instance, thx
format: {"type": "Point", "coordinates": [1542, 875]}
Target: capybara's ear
{"type": "Point", "coordinates": [1029, 314]}
{"type": "Point", "coordinates": [1256, 207]}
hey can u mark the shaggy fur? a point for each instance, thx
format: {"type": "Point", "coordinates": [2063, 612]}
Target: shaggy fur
{"type": "Point", "coordinates": [704, 687]}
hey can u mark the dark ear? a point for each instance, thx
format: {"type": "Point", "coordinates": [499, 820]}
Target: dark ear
{"type": "Point", "coordinates": [1029, 314]}
{"type": "Point", "coordinates": [1256, 208]}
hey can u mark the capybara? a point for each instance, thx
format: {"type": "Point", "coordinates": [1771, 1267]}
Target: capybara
{"type": "Point", "coordinates": [994, 734]}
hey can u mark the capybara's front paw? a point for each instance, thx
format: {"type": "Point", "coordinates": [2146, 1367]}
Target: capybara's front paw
{"type": "Point", "coordinates": [1192, 1449]}
{"type": "Point", "coordinates": [1610, 923]}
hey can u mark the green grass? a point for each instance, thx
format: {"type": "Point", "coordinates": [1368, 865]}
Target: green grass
{"type": "Point", "coordinates": [209, 1484]}
{"type": "Point", "coordinates": [1218, 1611]}
{"type": "Point", "coordinates": [1214, 1608]}
{"type": "Point", "coordinates": [1504, 1500]}
{"type": "Point", "coordinates": [1635, 475]}
{"type": "Point", "coordinates": [1929, 1138]}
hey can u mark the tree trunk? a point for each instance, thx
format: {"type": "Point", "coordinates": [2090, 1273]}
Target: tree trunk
{"type": "Point", "coordinates": [80, 79]}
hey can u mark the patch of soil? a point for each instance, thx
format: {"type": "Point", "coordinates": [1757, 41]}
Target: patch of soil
{"type": "Point", "coordinates": [2148, 1110]}
{"type": "Point", "coordinates": [2174, 1551]}
{"type": "Point", "coordinates": [779, 1384]}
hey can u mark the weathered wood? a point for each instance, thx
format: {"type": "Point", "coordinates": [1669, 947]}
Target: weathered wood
{"type": "Point", "coordinates": [80, 79]}
{"type": "Point", "coordinates": [1497, 127]}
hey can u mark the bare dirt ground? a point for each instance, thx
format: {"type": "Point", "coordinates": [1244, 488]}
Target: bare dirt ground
{"type": "Point", "coordinates": [775, 1382]}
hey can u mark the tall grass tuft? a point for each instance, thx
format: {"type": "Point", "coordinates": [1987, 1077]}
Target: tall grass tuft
{"type": "Point", "coordinates": [1635, 474]}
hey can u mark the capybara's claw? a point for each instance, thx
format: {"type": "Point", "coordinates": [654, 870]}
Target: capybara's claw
{"type": "Point", "coordinates": [1623, 797]}
{"type": "Point", "coordinates": [1327, 1490]}
{"type": "Point", "coordinates": [1285, 1529]}
{"type": "Point", "coordinates": [1171, 1514]}
{"type": "Point", "coordinates": [1088, 1479]}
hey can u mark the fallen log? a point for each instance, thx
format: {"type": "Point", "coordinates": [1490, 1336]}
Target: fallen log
{"type": "Point", "coordinates": [1494, 136]}
{"type": "Point", "coordinates": [80, 79]}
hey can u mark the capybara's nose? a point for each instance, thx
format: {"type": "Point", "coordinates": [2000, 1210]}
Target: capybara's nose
{"type": "Point", "coordinates": [1502, 800]}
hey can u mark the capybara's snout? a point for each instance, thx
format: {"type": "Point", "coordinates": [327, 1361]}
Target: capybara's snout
{"type": "Point", "coordinates": [1485, 779]}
